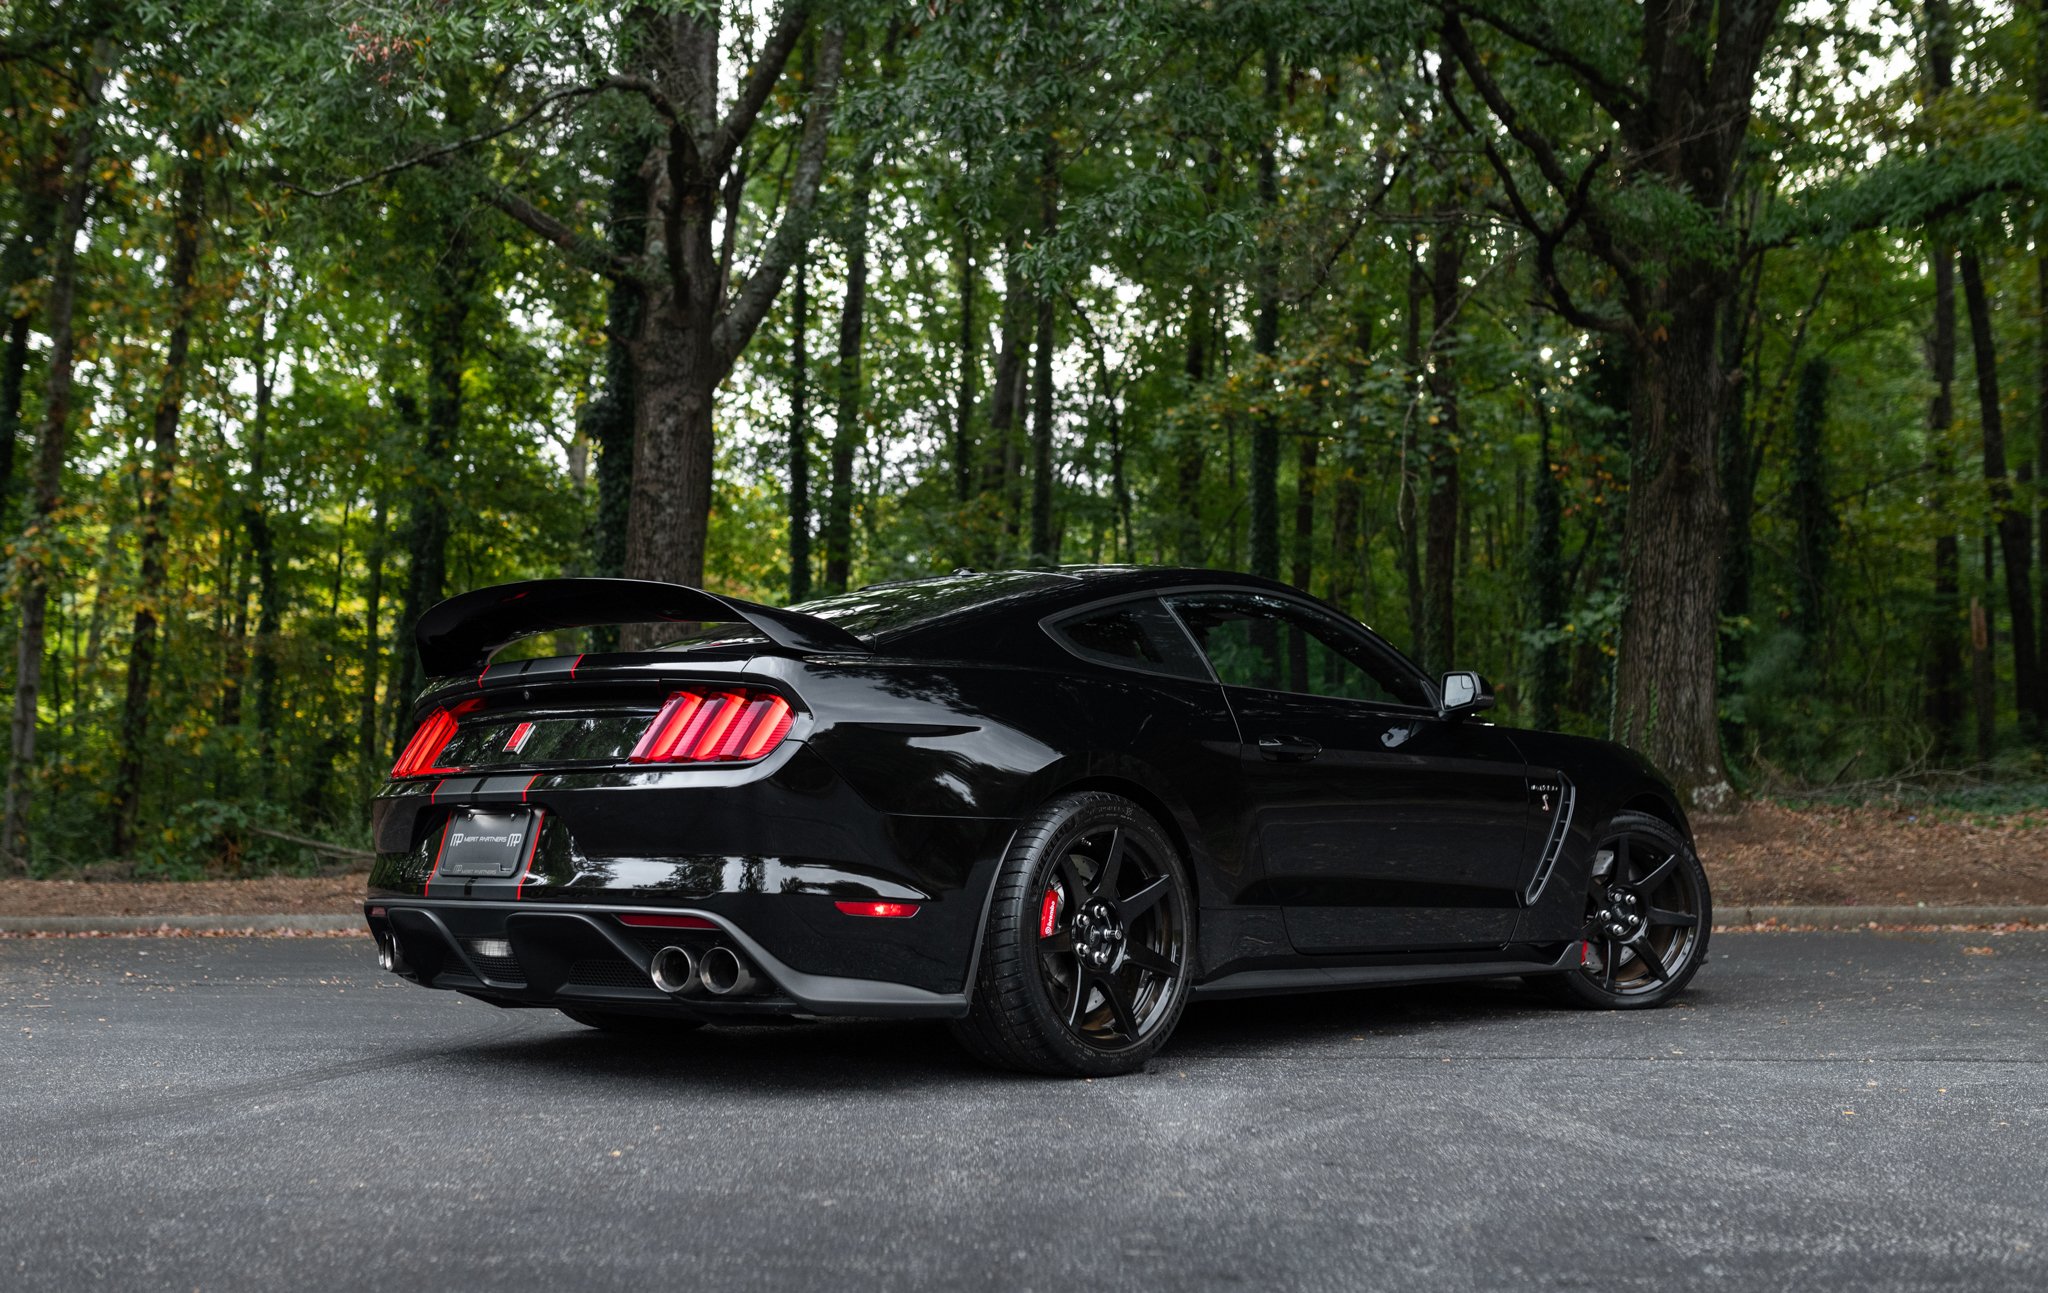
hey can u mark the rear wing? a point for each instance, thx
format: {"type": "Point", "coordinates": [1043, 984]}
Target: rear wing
{"type": "Point", "coordinates": [460, 635]}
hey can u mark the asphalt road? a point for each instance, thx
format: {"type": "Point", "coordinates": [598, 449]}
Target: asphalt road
{"type": "Point", "coordinates": [1825, 1111]}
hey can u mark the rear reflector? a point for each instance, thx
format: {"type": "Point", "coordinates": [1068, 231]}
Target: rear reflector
{"type": "Point", "coordinates": [666, 922]}
{"type": "Point", "coordinates": [714, 727]}
{"type": "Point", "coordinates": [892, 910]}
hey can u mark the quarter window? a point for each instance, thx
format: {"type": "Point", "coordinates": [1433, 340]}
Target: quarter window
{"type": "Point", "coordinates": [1277, 645]}
{"type": "Point", "coordinates": [1132, 635]}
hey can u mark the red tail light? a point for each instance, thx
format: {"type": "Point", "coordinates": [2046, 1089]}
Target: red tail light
{"type": "Point", "coordinates": [714, 727]}
{"type": "Point", "coordinates": [423, 751]}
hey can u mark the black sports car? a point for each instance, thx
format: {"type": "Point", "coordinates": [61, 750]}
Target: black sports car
{"type": "Point", "coordinates": [1051, 806]}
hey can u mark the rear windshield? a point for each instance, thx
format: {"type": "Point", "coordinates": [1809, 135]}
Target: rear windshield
{"type": "Point", "coordinates": [880, 612]}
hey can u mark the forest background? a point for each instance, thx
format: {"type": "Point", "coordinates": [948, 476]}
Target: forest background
{"type": "Point", "coordinates": [1679, 366]}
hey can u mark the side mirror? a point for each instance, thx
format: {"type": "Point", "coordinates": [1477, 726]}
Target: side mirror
{"type": "Point", "coordinates": [1464, 693]}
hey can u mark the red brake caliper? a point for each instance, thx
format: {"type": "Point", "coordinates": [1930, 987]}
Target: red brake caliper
{"type": "Point", "coordinates": [1049, 912]}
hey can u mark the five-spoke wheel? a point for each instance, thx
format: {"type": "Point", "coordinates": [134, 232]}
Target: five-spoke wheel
{"type": "Point", "coordinates": [1086, 964]}
{"type": "Point", "coordinates": [1648, 913]}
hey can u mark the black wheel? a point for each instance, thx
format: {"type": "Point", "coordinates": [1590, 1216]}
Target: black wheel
{"type": "Point", "coordinates": [1089, 948]}
{"type": "Point", "coordinates": [630, 1025]}
{"type": "Point", "coordinates": [1648, 914]}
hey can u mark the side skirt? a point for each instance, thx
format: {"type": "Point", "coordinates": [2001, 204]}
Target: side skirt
{"type": "Point", "coordinates": [1261, 983]}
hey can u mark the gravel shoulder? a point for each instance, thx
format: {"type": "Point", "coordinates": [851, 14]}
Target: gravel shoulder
{"type": "Point", "coordinates": [1765, 856]}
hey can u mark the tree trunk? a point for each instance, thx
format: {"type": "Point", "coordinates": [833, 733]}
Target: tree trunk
{"type": "Point", "coordinates": [1738, 482]}
{"type": "Point", "coordinates": [2041, 338]}
{"type": "Point", "coordinates": [1547, 578]}
{"type": "Point", "coordinates": [1404, 505]}
{"type": "Point", "coordinates": [1265, 448]}
{"type": "Point", "coordinates": [17, 267]}
{"type": "Point", "coordinates": [1441, 525]}
{"type": "Point", "coordinates": [447, 338]}
{"type": "Point", "coordinates": [1679, 116]}
{"type": "Point", "coordinates": [1306, 455]}
{"type": "Point", "coordinates": [34, 559]}
{"type": "Point", "coordinates": [186, 214]}
{"type": "Point", "coordinates": [1983, 674]}
{"type": "Point", "coordinates": [374, 652]}
{"type": "Point", "coordinates": [1813, 511]}
{"type": "Point", "coordinates": [1190, 453]}
{"type": "Point", "coordinates": [1944, 668]}
{"type": "Point", "coordinates": [674, 387]}
{"type": "Point", "coordinates": [608, 419]}
{"type": "Point", "coordinates": [800, 436]}
{"type": "Point", "coordinates": [1346, 561]}
{"type": "Point", "coordinates": [691, 329]}
{"type": "Point", "coordinates": [994, 478]}
{"type": "Point", "coordinates": [846, 429]}
{"type": "Point", "coordinates": [2041, 392]}
{"type": "Point", "coordinates": [1664, 686]}
{"type": "Point", "coordinates": [970, 364]}
{"type": "Point", "coordinates": [1044, 550]}
{"type": "Point", "coordinates": [2015, 535]}
{"type": "Point", "coordinates": [263, 552]}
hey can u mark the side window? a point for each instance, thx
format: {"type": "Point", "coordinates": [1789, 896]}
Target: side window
{"type": "Point", "coordinates": [1276, 645]}
{"type": "Point", "coordinates": [1132, 635]}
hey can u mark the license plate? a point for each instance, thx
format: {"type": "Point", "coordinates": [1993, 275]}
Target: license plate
{"type": "Point", "coordinates": [477, 843]}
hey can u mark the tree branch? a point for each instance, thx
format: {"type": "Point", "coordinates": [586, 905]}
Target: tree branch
{"type": "Point", "coordinates": [1578, 201]}
{"type": "Point", "coordinates": [1620, 101]}
{"type": "Point", "coordinates": [751, 300]}
{"type": "Point", "coordinates": [767, 70]}
{"type": "Point", "coordinates": [627, 84]}
{"type": "Point", "coordinates": [580, 246]}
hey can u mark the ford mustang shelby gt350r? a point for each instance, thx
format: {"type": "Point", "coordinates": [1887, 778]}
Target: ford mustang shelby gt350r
{"type": "Point", "coordinates": [1051, 806]}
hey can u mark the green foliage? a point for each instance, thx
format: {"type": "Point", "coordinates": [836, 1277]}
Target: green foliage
{"type": "Point", "coordinates": [358, 158]}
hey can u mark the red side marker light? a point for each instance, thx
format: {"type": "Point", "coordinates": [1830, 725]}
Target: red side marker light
{"type": "Point", "coordinates": [889, 910]}
{"type": "Point", "coordinates": [642, 920]}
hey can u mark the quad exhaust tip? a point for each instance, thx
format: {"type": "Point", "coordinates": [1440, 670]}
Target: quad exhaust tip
{"type": "Point", "coordinates": [725, 974]}
{"type": "Point", "coordinates": [389, 955]}
{"type": "Point", "coordinates": [674, 970]}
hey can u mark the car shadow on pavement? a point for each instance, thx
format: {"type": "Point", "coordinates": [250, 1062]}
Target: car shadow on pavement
{"type": "Point", "coordinates": [1309, 1018]}
{"type": "Point", "coordinates": [795, 1058]}
{"type": "Point", "coordinates": [885, 1055]}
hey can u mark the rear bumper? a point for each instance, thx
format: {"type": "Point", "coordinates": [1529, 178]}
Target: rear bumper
{"type": "Point", "coordinates": [766, 851]}
{"type": "Point", "coordinates": [570, 955]}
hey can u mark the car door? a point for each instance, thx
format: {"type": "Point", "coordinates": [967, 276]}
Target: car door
{"type": "Point", "coordinates": [1376, 824]}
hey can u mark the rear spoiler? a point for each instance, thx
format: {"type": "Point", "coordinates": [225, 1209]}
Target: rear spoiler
{"type": "Point", "coordinates": [460, 635]}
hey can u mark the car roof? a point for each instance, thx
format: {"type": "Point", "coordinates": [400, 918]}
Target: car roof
{"type": "Point", "coordinates": [896, 613]}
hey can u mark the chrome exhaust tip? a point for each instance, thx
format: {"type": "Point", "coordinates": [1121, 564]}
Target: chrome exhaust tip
{"type": "Point", "coordinates": [389, 956]}
{"type": "Point", "coordinates": [725, 974]}
{"type": "Point", "coordinates": [673, 970]}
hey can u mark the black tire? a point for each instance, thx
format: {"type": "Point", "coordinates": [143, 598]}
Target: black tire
{"type": "Point", "coordinates": [1101, 993]}
{"type": "Point", "coordinates": [627, 1025]}
{"type": "Point", "coordinates": [1658, 913]}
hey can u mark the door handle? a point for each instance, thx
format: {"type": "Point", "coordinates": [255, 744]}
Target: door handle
{"type": "Point", "coordinates": [1289, 749]}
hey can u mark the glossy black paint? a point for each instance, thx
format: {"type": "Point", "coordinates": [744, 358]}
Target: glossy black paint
{"type": "Point", "coordinates": [1330, 840]}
